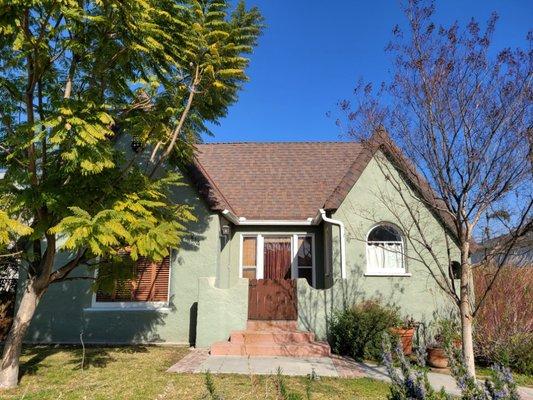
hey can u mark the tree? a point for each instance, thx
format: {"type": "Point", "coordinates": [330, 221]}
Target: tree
{"type": "Point", "coordinates": [80, 80]}
{"type": "Point", "coordinates": [461, 113]}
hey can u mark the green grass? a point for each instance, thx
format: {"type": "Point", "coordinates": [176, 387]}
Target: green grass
{"type": "Point", "coordinates": [520, 379]}
{"type": "Point", "coordinates": [138, 372]}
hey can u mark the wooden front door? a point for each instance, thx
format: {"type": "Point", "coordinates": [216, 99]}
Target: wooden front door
{"type": "Point", "coordinates": [274, 297]}
{"type": "Point", "coordinates": [277, 257]}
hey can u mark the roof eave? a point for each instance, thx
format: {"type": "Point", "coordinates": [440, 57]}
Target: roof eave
{"type": "Point", "coordinates": [272, 222]}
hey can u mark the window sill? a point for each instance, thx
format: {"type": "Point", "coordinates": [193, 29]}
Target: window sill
{"type": "Point", "coordinates": [399, 274]}
{"type": "Point", "coordinates": [162, 308]}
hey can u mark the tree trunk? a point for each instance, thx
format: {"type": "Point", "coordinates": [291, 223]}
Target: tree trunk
{"type": "Point", "coordinates": [465, 309]}
{"type": "Point", "coordinates": [9, 371]}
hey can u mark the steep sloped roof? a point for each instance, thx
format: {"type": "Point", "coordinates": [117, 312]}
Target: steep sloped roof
{"type": "Point", "coordinates": [292, 181]}
{"type": "Point", "coordinates": [282, 181]}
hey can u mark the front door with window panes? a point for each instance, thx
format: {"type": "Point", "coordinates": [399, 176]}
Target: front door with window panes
{"type": "Point", "coordinates": [277, 256]}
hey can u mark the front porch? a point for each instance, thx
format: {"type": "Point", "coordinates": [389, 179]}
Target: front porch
{"type": "Point", "coordinates": [272, 262]}
{"type": "Point", "coordinates": [256, 312]}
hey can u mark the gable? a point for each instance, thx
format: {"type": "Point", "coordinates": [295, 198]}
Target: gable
{"type": "Point", "coordinates": [274, 181]}
{"type": "Point", "coordinates": [374, 197]}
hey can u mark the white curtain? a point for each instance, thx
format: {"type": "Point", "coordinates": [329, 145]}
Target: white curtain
{"type": "Point", "coordinates": [384, 256]}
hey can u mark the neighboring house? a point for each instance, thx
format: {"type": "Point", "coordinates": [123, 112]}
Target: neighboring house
{"type": "Point", "coordinates": [496, 250]}
{"type": "Point", "coordinates": [268, 213]}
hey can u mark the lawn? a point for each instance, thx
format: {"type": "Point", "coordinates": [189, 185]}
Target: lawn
{"type": "Point", "coordinates": [139, 373]}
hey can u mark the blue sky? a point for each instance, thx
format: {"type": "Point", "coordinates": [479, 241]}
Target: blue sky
{"type": "Point", "coordinates": [312, 53]}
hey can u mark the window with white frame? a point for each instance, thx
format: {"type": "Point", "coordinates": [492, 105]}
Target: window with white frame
{"type": "Point", "coordinates": [304, 258]}
{"type": "Point", "coordinates": [266, 255]}
{"type": "Point", "coordinates": [385, 250]}
{"type": "Point", "coordinates": [148, 287]}
{"type": "Point", "coordinates": [249, 257]}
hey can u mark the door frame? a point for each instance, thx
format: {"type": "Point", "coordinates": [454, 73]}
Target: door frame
{"type": "Point", "coordinates": [260, 268]}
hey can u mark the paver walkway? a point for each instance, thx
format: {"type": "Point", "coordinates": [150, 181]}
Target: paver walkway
{"type": "Point", "coordinates": [199, 361]}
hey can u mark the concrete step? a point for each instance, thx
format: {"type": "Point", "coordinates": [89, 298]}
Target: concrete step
{"type": "Point", "coordinates": [269, 337]}
{"type": "Point", "coordinates": [276, 325]}
{"type": "Point", "coordinates": [315, 349]}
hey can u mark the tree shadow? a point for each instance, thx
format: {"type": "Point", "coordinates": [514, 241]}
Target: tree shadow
{"type": "Point", "coordinates": [90, 357]}
{"type": "Point", "coordinates": [67, 308]}
{"type": "Point", "coordinates": [317, 307]}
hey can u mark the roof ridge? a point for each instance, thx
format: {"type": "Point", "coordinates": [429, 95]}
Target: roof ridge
{"type": "Point", "coordinates": [285, 142]}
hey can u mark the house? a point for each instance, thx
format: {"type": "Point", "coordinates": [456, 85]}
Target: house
{"type": "Point", "coordinates": [496, 250]}
{"type": "Point", "coordinates": [285, 231]}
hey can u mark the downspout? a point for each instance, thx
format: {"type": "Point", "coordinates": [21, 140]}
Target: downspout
{"type": "Point", "coordinates": [343, 247]}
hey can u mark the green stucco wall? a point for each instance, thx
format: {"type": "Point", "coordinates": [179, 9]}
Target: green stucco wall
{"type": "Point", "coordinates": [220, 311]}
{"type": "Point", "coordinates": [65, 310]}
{"type": "Point", "coordinates": [373, 199]}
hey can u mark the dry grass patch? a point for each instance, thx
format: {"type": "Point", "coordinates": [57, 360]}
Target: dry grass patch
{"type": "Point", "coordinates": [138, 372]}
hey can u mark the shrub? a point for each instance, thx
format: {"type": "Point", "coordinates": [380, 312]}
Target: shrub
{"type": "Point", "coordinates": [500, 385]}
{"type": "Point", "coordinates": [357, 331]}
{"type": "Point", "coordinates": [443, 331]}
{"type": "Point", "coordinates": [411, 381]}
{"type": "Point", "coordinates": [504, 323]}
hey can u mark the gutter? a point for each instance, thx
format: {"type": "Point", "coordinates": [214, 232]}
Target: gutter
{"type": "Point", "coordinates": [243, 221]}
{"type": "Point", "coordinates": [230, 216]}
{"type": "Point", "coordinates": [342, 237]}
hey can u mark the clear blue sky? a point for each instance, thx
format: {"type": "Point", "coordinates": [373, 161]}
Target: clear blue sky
{"type": "Point", "coordinates": [312, 53]}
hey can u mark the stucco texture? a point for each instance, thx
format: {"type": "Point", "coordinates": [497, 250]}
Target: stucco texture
{"type": "Point", "coordinates": [65, 310]}
{"type": "Point", "coordinates": [374, 199]}
{"type": "Point", "coordinates": [220, 311]}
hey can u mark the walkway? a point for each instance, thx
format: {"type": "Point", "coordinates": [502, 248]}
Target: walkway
{"type": "Point", "coordinates": [199, 361]}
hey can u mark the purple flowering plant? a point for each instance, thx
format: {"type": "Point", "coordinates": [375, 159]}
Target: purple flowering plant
{"type": "Point", "coordinates": [409, 380]}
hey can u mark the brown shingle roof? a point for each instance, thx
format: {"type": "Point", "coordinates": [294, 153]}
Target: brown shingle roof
{"type": "Point", "coordinates": [288, 181]}
{"type": "Point", "coordinates": [292, 181]}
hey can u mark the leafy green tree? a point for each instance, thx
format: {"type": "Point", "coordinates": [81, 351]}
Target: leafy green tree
{"type": "Point", "coordinates": [79, 81]}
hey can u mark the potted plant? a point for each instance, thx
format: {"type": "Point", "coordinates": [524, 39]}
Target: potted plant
{"type": "Point", "coordinates": [405, 333]}
{"type": "Point", "coordinates": [447, 335]}
{"type": "Point", "coordinates": [436, 353]}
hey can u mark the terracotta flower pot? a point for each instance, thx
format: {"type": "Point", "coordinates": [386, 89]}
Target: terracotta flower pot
{"type": "Point", "coordinates": [406, 337]}
{"type": "Point", "coordinates": [437, 357]}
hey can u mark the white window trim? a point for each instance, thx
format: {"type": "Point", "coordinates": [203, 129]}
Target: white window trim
{"type": "Point", "coordinates": [295, 266]}
{"type": "Point", "coordinates": [128, 306]}
{"type": "Point", "coordinates": [373, 270]}
{"type": "Point", "coordinates": [260, 252]}
{"type": "Point", "coordinates": [133, 305]}
{"type": "Point", "coordinates": [259, 268]}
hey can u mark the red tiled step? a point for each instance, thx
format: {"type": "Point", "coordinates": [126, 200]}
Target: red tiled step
{"type": "Point", "coordinates": [315, 349]}
{"type": "Point", "coordinates": [268, 337]}
{"type": "Point", "coordinates": [272, 338]}
{"type": "Point", "coordinates": [257, 325]}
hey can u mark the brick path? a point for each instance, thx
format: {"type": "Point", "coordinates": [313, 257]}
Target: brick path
{"type": "Point", "coordinates": [199, 360]}
{"type": "Point", "coordinates": [191, 361]}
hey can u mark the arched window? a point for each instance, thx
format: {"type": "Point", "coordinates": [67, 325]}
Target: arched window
{"type": "Point", "coordinates": [385, 250]}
